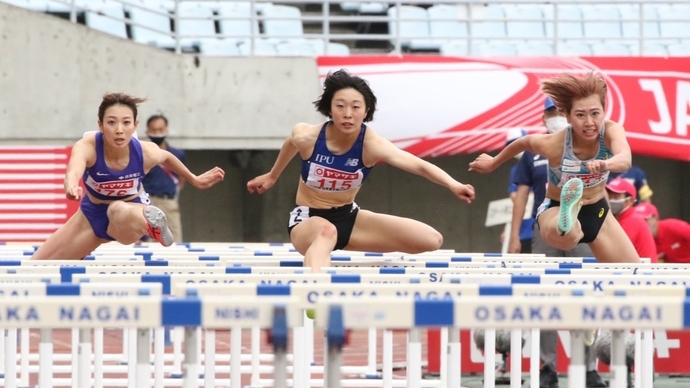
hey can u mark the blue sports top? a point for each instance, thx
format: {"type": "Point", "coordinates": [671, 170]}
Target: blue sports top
{"type": "Point", "coordinates": [572, 167]}
{"type": "Point", "coordinates": [325, 171]}
{"type": "Point", "coordinates": [105, 184]}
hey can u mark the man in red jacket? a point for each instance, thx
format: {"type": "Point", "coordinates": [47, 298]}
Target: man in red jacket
{"type": "Point", "coordinates": [622, 195]}
{"type": "Point", "coordinates": [672, 236]}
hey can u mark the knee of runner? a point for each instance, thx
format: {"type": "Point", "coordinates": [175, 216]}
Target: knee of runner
{"type": "Point", "coordinates": [328, 231]}
{"type": "Point", "coordinates": [114, 208]}
{"type": "Point", "coordinates": [432, 242]}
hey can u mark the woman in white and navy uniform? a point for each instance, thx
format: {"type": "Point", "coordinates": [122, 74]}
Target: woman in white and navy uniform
{"type": "Point", "coordinates": [336, 158]}
{"type": "Point", "coordinates": [580, 159]}
{"type": "Point", "coordinates": [114, 206]}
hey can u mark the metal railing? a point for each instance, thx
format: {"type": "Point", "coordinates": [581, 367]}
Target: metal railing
{"type": "Point", "coordinates": [330, 15]}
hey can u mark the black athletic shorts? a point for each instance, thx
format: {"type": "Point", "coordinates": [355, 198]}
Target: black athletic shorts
{"type": "Point", "coordinates": [591, 217]}
{"type": "Point", "coordinates": [342, 217]}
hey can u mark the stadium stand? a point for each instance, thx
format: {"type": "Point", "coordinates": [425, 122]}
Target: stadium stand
{"type": "Point", "coordinates": [350, 27]}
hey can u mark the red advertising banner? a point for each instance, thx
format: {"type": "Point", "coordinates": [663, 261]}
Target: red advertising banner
{"type": "Point", "coordinates": [32, 198]}
{"type": "Point", "coordinates": [436, 106]}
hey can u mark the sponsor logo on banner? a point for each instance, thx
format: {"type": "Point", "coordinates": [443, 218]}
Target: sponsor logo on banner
{"type": "Point", "coordinates": [650, 97]}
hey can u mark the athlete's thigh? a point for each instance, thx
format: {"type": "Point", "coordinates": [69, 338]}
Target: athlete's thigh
{"type": "Point", "coordinates": [612, 245]}
{"type": "Point", "coordinates": [73, 240]}
{"type": "Point", "coordinates": [385, 233]}
{"type": "Point", "coordinates": [305, 232]}
{"type": "Point", "coordinates": [121, 228]}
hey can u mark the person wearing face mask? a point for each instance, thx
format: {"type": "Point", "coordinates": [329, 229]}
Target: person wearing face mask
{"type": "Point", "coordinates": [622, 196]}
{"type": "Point", "coordinates": [163, 185]}
{"type": "Point", "coordinates": [531, 175]}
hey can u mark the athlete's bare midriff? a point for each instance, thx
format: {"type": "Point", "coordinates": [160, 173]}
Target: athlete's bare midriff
{"type": "Point", "coordinates": [306, 196]}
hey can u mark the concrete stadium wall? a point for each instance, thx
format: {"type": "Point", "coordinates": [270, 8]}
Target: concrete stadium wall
{"type": "Point", "coordinates": [53, 74]}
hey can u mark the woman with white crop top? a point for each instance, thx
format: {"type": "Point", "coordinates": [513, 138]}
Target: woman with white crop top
{"type": "Point", "coordinates": [580, 159]}
{"type": "Point", "coordinates": [336, 158]}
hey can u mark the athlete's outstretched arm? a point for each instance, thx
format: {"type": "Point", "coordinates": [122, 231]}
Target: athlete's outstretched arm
{"type": "Point", "coordinates": [154, 155]}
{"type": "Point", "coordinates": [81, 152]}
{"type": "Point", "coordinates": [621, 160]}
{"type": "Point", "coordinates": [383, 150]}
{"type": "Point", "coordinates": [532, 143]}
{"type": "Point", "coordinates": [288, 151]}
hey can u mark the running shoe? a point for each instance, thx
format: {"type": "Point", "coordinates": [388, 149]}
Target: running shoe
{"type": "Point", "coordinates": [158, 225]}
{"type": "Point", "coordinates": [590, 335]}
{"type": "Point", "coordinates": [570, 205]}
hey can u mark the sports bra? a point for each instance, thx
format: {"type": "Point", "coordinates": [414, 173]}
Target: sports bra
{"type": "Point", "coordinates": [325, 171]}
{"type": "Point", "coordinates": [572, 167]}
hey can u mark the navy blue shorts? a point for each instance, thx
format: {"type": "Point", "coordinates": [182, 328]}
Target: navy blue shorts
{"type": "Point", "coordinates": [97, 215]}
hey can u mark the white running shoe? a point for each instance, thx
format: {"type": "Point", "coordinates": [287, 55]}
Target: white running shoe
{"type": "Point", "coordinates": [570, 204]}
{"type": "Point", "coordinates": [158, 225]}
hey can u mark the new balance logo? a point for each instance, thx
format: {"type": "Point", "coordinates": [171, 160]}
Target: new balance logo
{"type": "Point", "coordinates": [351, 162]}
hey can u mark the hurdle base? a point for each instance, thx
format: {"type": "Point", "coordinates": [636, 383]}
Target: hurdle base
{"type": "Point", "coordinates": [505, 380]}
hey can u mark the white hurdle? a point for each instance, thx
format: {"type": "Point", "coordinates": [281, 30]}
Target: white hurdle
{"type": "Point", "coordinates": [467, 269]}
{"type": "Point", "coordinates": [574, 313]}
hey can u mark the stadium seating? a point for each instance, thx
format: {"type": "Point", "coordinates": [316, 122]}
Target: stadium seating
{"type": "Point", "coordinates": [107, 17]}
{"type": "Point", "coordinates": [147, 22]}
{"type": "Point", "coordinates": [223, 27]}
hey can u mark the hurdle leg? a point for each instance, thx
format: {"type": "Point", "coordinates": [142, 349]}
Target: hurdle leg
{"type": "Point", "coordinates": [256, 353]}
{"type": "Point", "coordinates": [24, 357]}
{"type": "Point", "coordinates": [210, 358]}
{"type": "Point", "coordinates": [647, 361]}
{"type": "Point", "coordinates": [98, 358]}
{"type": "Point", "coordinates": [298, 359]}
{"type": "Point", "coordinates": [125, 346]}
{"type": "Point", "coordinates": [235, 357]}
{"type": "Point", "coordinates": [534, 358]}
{"type": "Point", "coordinates": [3, 333]}
{"type": "Point", "coordinates": [454, 358]}
{"type": "Point", "coordinates": [619, 370]}
{"type": "Point", "coordinates": [132, 357]}
{"type": "Point", "coordinates": [280, 343]}
{"type": "Point", "coordinates": [309, 334]}
{"type": "Point", "coordinates": [84, 376]}
{"type": "Point", "coordinates": [443, 379]}
{"type": "Point", "coordinates": [143, 354]}
{"type": "Point", "coordinates": [576, 369]}
{"type": "Point", "coordinates": [372, 373]}
{"type": "Point", "coordinates": [11, 358]}
{"type": "Point", "coordinates": [177, 334]}
{"type": "Point", "coordinates": [190, 373]}
{"type": "Point", "coordinates": [387, 358]}
{"type": "Point", "coordinates": [158, 356]}
{"type": "Point", "coordinates": [335, 338]}
{"type": "Point", "coordinates": [516, 358]}
{"type": "Point", "coordinates": [638, 357]}
{"type": "Point", "coordinates": [75, 358]}
{"type": "Point", "coordinates": [489, 358]}
{"type": "Point", "coordinates": [414, 359]}
{"type": "Point", "coordinates": [45, 359]}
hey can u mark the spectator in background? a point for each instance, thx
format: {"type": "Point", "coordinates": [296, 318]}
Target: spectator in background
{"type": "Point", "coordinates": [531, 175]}
{"type": "Point", "coordinates": [638, 178]}
{"type": "Point", "coordinates": [622, 196]}
{"type": "Point", "coordinates": [525, 233]}
{"type": "Point", "coordinates": [672, 236]}
{"type": "Point", "coordinates": [162, 184]}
